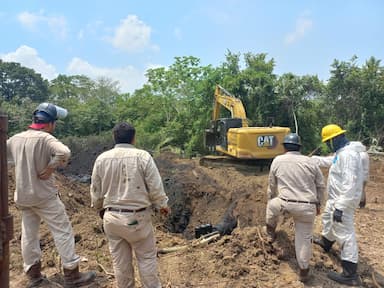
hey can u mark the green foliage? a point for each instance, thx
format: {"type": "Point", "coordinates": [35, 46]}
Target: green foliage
{"type": "Point", "coordinates": [19, 114]}
{"type": "Point", "coordinates": [174, 107]}
{"type": "Point", "coordinates": [18, 83]}
{"type": "Point", "coordinates": [254, 85]}
{"type": "Point", "coordinates": [78, 144]}
{"type": "Point", "coordinates": [64, 87]}
{"type": "Point", "coordinates": [299, 98]}
{"type": "Point", "coordinates": [91, 104]}
{"type": "Point", "coordinates": [170, 107]}
{"type": "Point", "coordinates": [355, 98]}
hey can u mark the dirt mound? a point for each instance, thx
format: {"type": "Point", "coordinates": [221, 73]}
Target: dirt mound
{"type": "Point", "coordinates": [200, 195]}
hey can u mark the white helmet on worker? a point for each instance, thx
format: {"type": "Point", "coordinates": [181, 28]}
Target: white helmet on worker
{"type": "Point", "coordinates": [48, 112]}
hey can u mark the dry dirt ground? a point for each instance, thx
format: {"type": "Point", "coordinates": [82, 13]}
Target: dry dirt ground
{"type": "Point", "coordinates": [200, 195]}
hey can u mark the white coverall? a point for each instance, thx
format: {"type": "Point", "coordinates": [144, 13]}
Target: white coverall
{"type": "Point", "coordinates": [127, 178]}
{"type": "Point", "coordinates": [345, 182]}
{"type": "Point", "coordinates": [31, 152]}
{"type": "Point", "coordinates": [326, 162]}
{"type": "Point", "coordinates": [364, 156]}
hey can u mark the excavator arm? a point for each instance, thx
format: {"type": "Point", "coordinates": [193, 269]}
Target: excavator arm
{"type": "Point", "coordinates": [231, 103]}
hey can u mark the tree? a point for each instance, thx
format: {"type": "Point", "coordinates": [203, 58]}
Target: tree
{"type": "Point", "coordinates": [259, 82]}
{"type": "Point", "coordinates": [300, 105]}
{"type": "Point", "coordinates": [92, 112]}
{"type": "Point", "coordinates": [19, 114]}
{"type": "Point", "coordinates": [67, 87]}
{"type": "Point", "coordinates": [252, 85]}
{"type": "Point", "coordinates": [18, 82]}
{"type": "Point", "coordinates": [355, 97]}
{"type": "Point", "coordinates": [174, 107]}
{"type": "Point", "coordinates": [372, 101]}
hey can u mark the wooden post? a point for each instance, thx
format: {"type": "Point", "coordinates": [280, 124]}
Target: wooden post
{"type": "Point", "coordinates": [6, 221]}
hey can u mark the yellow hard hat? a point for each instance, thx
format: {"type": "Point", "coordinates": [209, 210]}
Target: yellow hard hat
{"type": "Point", "coordinates": [330, 131]}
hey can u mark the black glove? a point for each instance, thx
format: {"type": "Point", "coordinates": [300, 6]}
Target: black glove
{"type": "Point", "coordinates": [101, 213]}
{"type": "Point", "coordinates": [337, 215]}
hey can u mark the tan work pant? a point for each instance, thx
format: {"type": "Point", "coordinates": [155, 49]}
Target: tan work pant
{"type": "Point", "coordinates": [304, 217]}
{"type": "Point", "coordinates": [130, 233]}
{"type": "Point", "coordinates": [52, 212]}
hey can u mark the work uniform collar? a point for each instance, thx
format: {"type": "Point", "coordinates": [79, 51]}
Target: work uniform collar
{"type": "Point", "coordinates": [124, 145]}
{"type": "Point", "coordinates": [37, 130]}
{"type": "Point", "coordinates": [293, 152]}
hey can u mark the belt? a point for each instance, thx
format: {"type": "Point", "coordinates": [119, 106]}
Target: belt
{"type": "Point", "coordinates": [121, 210]}
{"type": "Point", "coordinates": [299, 201]}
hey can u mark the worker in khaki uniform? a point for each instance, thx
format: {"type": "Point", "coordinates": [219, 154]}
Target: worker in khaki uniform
{"type": "Point", "coordinates": [125, 184]}
{"type": "Point", "coordinates": [36, 154]}
{"type": "Point", "coordinates": [295, 187]}
{"type": "Point", "coordinates": [345, 185]}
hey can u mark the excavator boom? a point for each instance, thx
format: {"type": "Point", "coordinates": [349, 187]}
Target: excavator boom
{"type": "Point", "coordinates": [231, 103]}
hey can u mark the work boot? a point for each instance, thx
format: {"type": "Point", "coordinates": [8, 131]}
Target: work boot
{"type": "Point", "coordinates": [34, 275]}
{"type": "Point", "coordinates": [304, 275]}
{"type": "Point", "coordinates": [348, 276]}
{"type": "Point", "coordinates": [74, 278]}
{"type": "Point", "coordinates": [271, 234]}
{"type": "Point", "coordinates": [323, 243]}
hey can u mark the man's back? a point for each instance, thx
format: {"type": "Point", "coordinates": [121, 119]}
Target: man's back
{"type": "Point", "coordinates": [345, 180]}
{"type": "Point", "coordinates": [127, 177]}
{"type": "Point", "coordinates": [296, 176]}
{"type": "Point", "coordinates": [31, 151]}
{"type": "Point", "coordinates": [359, 147]}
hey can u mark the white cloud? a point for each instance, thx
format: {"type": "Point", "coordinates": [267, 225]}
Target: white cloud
{"type": "Point", "coordinates": [80, 35]}
{"type": "Point", "coordinates": [131, 35]}
{"type": "Point", "coordinates": [28, 20]}
{"type": "Point", "coordinates": [129, 77]}
{"type": "Point", "coordinates": [28, 57]}
{"type": "Point", "coordinates": [57, 25]}
{"type": "Point", "coordinates": [178, 34]}
{"type": "Point", "coordinates": [91, 29]}
{"type": "Point", "coordinates": [303, 25]}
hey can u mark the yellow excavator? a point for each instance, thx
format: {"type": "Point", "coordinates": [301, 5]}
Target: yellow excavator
{"type": "Point", "coordinates": [232, 140]}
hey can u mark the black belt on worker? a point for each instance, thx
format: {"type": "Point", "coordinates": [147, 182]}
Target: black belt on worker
{"type": "Point", "coordinates": [299, 201]}
{"type": "Point", "coordinates": [122, 210]}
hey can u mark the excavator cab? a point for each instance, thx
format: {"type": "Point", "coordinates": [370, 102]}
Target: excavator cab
{"type": "Point", "coordinates": [216, 135]}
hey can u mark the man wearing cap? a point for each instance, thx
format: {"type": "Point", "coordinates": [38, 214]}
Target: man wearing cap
{"type": "Point", "coordinates": [126, 184]}
{"type": "Point", "coordinates": [295, 187]}
{"type": "Point", "coordinates": [36, 154]}
{"type": "Point", "coordinates": [345, 184]}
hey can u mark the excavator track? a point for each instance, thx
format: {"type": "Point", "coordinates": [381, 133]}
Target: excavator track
{"type": "Point", "coordinates": [219, 161]}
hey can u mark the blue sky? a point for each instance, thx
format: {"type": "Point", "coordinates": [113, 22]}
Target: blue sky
{"type": "Point", "coordinates": [121, 39]}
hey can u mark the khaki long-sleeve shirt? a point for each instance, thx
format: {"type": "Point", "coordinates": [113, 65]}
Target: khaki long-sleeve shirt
{"type": "Point", "coordinates": [126, 177]}
{"type": "Point", "coordinates": [294, 176]}
{"type": "Point", "coordinates": [31, 152]}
